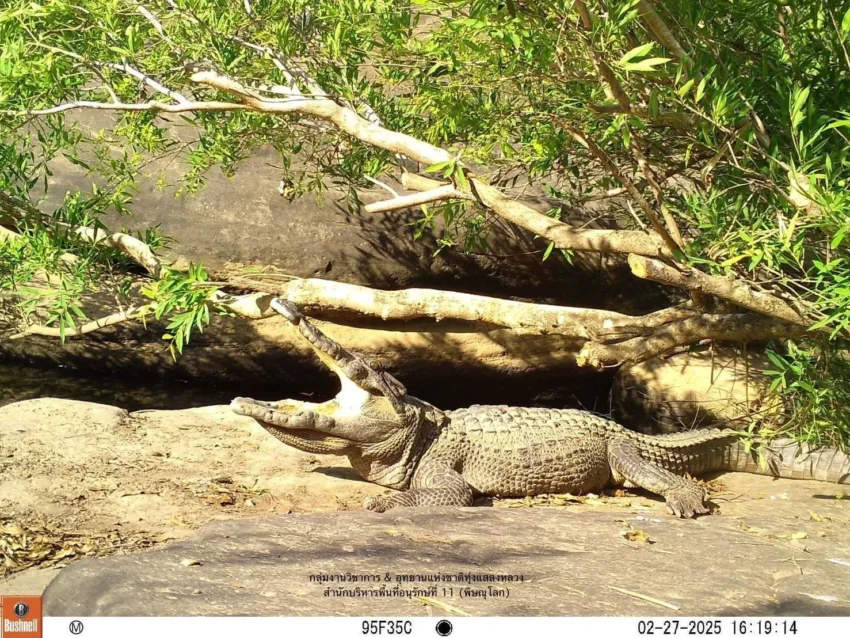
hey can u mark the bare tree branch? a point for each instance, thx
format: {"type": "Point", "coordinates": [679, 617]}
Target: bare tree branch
{"type": "Point", "coordinates": [142, 77]}
{"type": "Point", "coordinates": [627, 183]}
{"type": "Point", "coordinates": [152, 105]}
{"type": "Point", "coordinates": [741, 328]}
{"type": "Point", "coordinates": [417, 303]}
{"type": "Point", "coordinates": [91, 326]}
{"type": "Point", "coordinates": [735, 291]}
{"type": "Point", "coordinates": [417, 199]}
{"type": "Point", "coordinates": [348, 121]}
{"type": "Point", "coordinates": [563, 235]}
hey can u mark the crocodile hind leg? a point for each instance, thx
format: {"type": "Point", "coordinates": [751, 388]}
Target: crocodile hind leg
{"type": "Point", "coordinates": [684, 497]}
{"type": "Point", "coordinates": [434, 484]}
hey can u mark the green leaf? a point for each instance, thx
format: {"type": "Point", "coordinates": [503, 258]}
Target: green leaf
{"type": "Point", "coordinates": [797, 115]}
{"type": "Point", "coordinates": [685, 88]}
{"type": "Point", "coordinates": [839, 236]}
{"type": "Point", "coordinates": [805, 385]}
{"type": "Point", "coordinates": [838, 124]}
{"type": "Point", "coordinates": [438, 166]}
{"type": "Point", "coordinates": [645, 66]}
{"type": "Point", "coordinates": [733, 260]}
{"type": "Point", "coordinates": [845, 22]}
{"type": "Point", "coordinates": [460, 177]}
{"type": "Point", "coordinates": [637, 52]}
{"type": "Point", "coordinates": [548, 250]}
{"type": "Point", "coordinates": [654, 107]}
{"type": "Point", "coordinates": [700, 89]}
{"type": "Point", "coordinates": [778, 361]}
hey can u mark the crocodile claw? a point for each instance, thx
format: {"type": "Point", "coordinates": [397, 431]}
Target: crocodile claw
{"type": "Point", "coordinates": [375, 504]}
{"type": "Point", "coordinates": [687, 501]}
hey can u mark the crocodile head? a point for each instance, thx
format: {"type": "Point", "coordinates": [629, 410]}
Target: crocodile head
{"type": "Point", "coordinates": [372, 419]}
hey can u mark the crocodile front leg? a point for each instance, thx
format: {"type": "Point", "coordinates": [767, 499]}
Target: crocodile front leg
{"type": "Point", "coordinates": [684, 497]}
{"type": "Point", "coordinates": [434, 484]}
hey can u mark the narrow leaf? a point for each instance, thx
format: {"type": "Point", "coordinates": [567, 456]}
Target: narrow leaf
{"type": "Point", "coordinates": [645, 66]}
{"type": "Point", "coordinates": [637, 52]}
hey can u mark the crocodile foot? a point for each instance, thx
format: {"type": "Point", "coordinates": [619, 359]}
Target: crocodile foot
{"type": "Point", "coordinates": [375, 504]}
{"type": "Point", "coordinates": [687, 500]}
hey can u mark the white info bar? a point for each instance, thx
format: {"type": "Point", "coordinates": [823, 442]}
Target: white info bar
{"type": "Point", "coordinates": [345, 627]}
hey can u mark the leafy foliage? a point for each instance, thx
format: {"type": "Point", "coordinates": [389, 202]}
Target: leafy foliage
{"type": "Point", "coordinates": [743, 120]}
{"type": "Point", "coordinates": [187, 299]}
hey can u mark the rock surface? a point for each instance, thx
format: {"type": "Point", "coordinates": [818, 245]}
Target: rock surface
{"type": "Point", "coordinates": [694, 390]}
{"type": "Point", "coordinates": [244, 219]}
{"type": "Point", "coordinates": [244, 222]}
{"type": "Point", "coordinates": [87, 468]}
{"type": "Point", "coordinates": [570, 564]}
{"type": "Point", "coordinates": [97, 480]}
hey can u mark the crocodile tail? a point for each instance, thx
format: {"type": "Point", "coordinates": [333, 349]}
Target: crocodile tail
{"type": "Point", "coordinates": [786, 458]}
{"type": "Point", "coordinates": [701, 451]}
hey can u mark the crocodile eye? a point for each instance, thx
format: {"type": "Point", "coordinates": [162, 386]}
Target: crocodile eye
{"type": "Point", "coordinates": [357, 373]}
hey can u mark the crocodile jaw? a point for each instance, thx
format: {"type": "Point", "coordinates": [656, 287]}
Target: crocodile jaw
{"type": "Point", "coordinates": [371, 407]}
{"type": "Point", "coordinates": [354, 416]}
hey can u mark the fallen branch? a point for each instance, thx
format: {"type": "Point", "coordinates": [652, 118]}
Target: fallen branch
{"type": "Point", "coordinates": [401, 202]}
{"type": "Point", "coordinates": [738, 292]}
{"type": "Point", "coordinates": [14, 210]}
{"type": "Point", "coordinates": [91, 326]}
{"type": "Point", "coordinates": [134, 248]}
{"type": "Point", "coordinates": [420, 303]}
{"type": "Point", "coordinates": [741, 328]}
{"type": "Point", "coordinates": [250, 306]}
{"type": "Point", "coordinates": [318, 294]}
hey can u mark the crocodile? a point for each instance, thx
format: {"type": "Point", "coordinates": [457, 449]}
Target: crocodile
{"type": "Point", "coordinates": [436, 458]}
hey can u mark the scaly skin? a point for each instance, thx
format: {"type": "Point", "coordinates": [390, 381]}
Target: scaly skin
{"type": "Point", "coordinates": [446, 458]}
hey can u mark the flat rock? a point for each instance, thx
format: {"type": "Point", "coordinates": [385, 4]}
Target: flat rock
{"type": "Point", "coordinates": [477, 561]}
{"type": "Point", "coordinates": [89, 469]}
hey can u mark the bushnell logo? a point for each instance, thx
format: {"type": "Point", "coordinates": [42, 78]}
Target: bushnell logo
{"type": "Point", "coordinates": [21, 617]}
